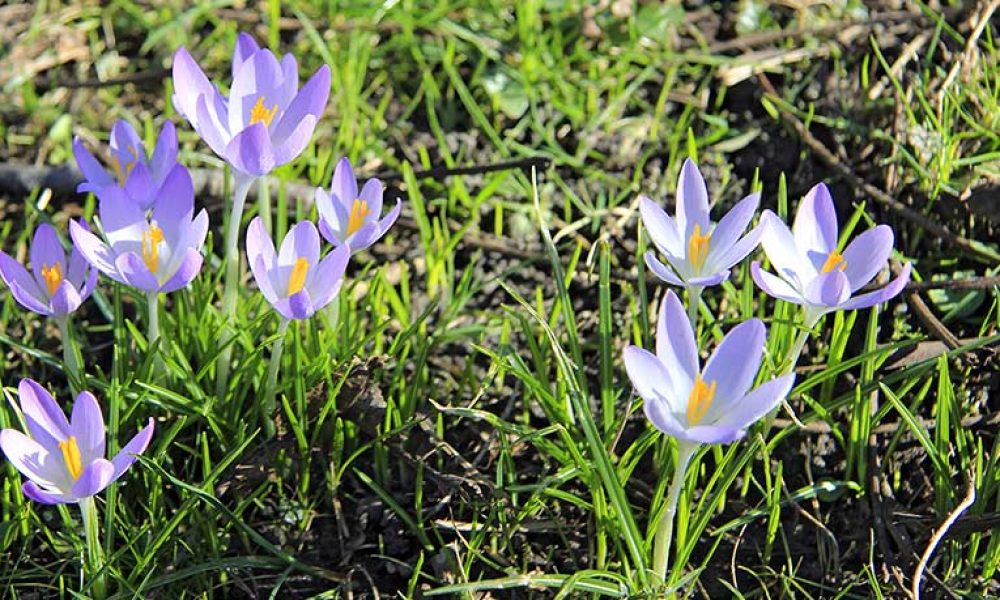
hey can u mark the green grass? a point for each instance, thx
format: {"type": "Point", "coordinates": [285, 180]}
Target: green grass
{"type": "Point", "coordinates": [459, 421]}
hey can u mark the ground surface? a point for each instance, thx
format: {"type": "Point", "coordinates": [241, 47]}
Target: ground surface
{"type": "Point", "coordinates": [425, 440]}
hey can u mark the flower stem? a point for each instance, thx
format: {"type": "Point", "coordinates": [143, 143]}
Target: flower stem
{"type": "Point", "coordinates": [71, 357]}
{"type": "Point", "coordinates": [153, 326]}
{"type": "Point", "coordinates": [694, 299]}
{"type": "Point", "coordinates": [268, 405]}
{"type": "Point", "coordinates": [95, 554]}
{"type": "Point", "coordinates": [229, 293]}
{"type": "Point", "coordinates": [264, 204]}
{"type": "Point", "coordinates": [796, 351]}
{"type": "Point", "coordinates": [665, 528]}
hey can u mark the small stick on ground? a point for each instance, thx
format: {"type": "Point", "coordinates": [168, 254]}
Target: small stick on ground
{"type": "Point", "coordinates": [970, 498]}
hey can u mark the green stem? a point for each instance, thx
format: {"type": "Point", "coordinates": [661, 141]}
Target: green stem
{"type": "Point", "coordinates": [694, 299]}
{"type": "Point", "coordinates": [71, 358]}
{"type": "Point", "coordinates": [796, 351]}
{"type": "Point", "coordinates": [264, 204]}
{"type": "Point", "coordinates": [232, 283]}
{"type": "Point", "coordinates": [268, 405]}
{"type": "Point", "coordinates": [95, 554]}
{"type": "Point", "coordinates": [153, 326]}
{"type": "Point", "coordinates": [665, 528]}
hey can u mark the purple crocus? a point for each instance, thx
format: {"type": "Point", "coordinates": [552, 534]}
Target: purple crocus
{"type": "Point", "coordinates": [812, 272]}
{"type": "Point", "coordinates": [698, 253]}
{"type": "Point", "coordinates": [266, 121]}
{"type": "Point", "coordinates": [57, 283]}
{"type": "Point", "coordinates": [159, 253]}
{"type": "Point", "coordinates": [130, 170]}
{"type": "Point", "coordinates": [294, 280]}
{"type": "Point", "coordinates": [347, 217]}
{"type": "Point", "coordinates": [709, 405]}
{"type": "Point", "coordinates": [64, 459]}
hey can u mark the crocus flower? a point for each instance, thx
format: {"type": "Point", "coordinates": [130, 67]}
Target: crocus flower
{"type": "Point", "coordinates": [698, 254]}
{"type": "Point", "coordinates": [57, 284]}
{"type": "Point", "coordinates": [347, 217]}
{"type": "Point", "coordinates": [812, 272]}
{"type": "Point", "coordinates": [159, 253]}
{"type": "Point", "coordinates": [709, 405]}
{"type": "Point", "coordinates": [266, 121]}
{"type": "Point", "coordinates": [294, 280]}
{"type": "Point", "coordinates": [140, 178]}
{"type": "Point", "coordinates": [64, 459]}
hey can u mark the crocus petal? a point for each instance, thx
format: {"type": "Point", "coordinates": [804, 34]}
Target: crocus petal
{"type": "Point", "coordinates": [732, 225]}
{"type": "Point", "coordinates": [257, 80]}
{"type": "Point", "coordinates": [31, 459]}
{"type": "Point", "coordinates": [250, 151]}
{"type": "Point", "coordinates": [332, 216]}
{"type": "Point", "coordinates": [781, 249]}
{"type": "Point", "coordinates": [211, 122]}
{"type": "Point", "coordinates": [92, 170]}
{"type": "Point", "coordinates": [301, 241]}
{"type": "Point", "coordinates": [164, 153]}
{"type": "Point", "coordinates": [675, 343]}
{"type": "Point", "coordinates": [46, 250]}
{"type": "Point", "coordinates": [95, 477]}
{"type": "Point", "coordinates": [866, 255]}
{"type": "Point", "coordinates": [738, 251]}
{"type": "Point", "coordinates": [300, 305]}
{"type": "Point", "coordinates": [364, 237]}
{"type": "Point", "coordinates": [246, 47]}
{"type": "Point", "coordinates": [22, 285]}
{"type": "Point", "coordinates": [774, 286]}
{"type": "Point", "coordinates": [708, 280]}
{"type": "Point", "coordinates": [344, 186]}
{"type": "Point", "coordinates": [259, 244]}
{"type": "Point", "coordinates": [78, 269]}
{"type": "Point", "coordinates": [661, 270]}
{"type": "Point", "coordinates": [310, 101]}
{"type": "Point", "coordinates": [123, 221]}
{"type": "Point", "coordinates": [714, 434]}
{"type": "Point", "coordinates": [290, 79]}
{"type": "Point", "coordinates": [66, 299]}
{"type": "Point", "coordinates": [124, 140]}
{"type": "Point", "coordinates": [329, 277]}
{"type": "Point", "coordinates": [293, 145]}
{"type": "Point", "coordinates": [136, 273]}
{"type": "Point", "coordinates": [137, 445]}
{"type": "Point", "coordinates": [175, 205]}
{"type": "Point", "coordinates": [756, 404]}
{"type": "Point", "coordinates": [87, 424]}
{"type": "Point", "coordinates": [829, 289]}
{"type": "Point", "coordinates": [97, 253]}
{"type": "Point", "coordinates": [650, 377]}
{"type": "Point", "coordinates": [190, 83]}
{"type": "Point", "coordinates": [371, 195]}
{"type": "Point", "coordinates": [187, 270]}
{"type": "Point", "coordinates": [881, 295]}
{"type": "Point", "coordinates": [659, 414]}
{"type": "Point", "coordinates": [46, 421]}
{"type": "Point", "coordinates": [40, 496]}
{"type": "Point", "coordinates": [263, 278]}
{"type": "Point", "coordinates": [692, 200]}
{"type": "Point", "coordinates": [734, 364]}
{"type": "Point", "coordinates": [815, 227]}
{"type": "Point", "coordinates": [661, 228]}
{"type": "Point", "coordinates": [140, 186]}
{"type": "Point", "coordinates": [387, 221]}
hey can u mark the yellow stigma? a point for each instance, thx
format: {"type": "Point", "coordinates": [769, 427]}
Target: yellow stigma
{"type": "Point", "coordinates": [151, 239]}
{"type": "Point", "coordinates": [71, 456]}
{"type": "Point", "coordinates": [297, 280]}
{"type": "Point", "coordinates": [260, 114]}
{"type": "Point", "coordinates": [700, 400]}
{"type": "Point", "coordinates": [698, 248]}
{"type": "Point", "coordinates": [834, 261]}
{"type": "Point", "coordinates": [53, 276]}
{"type": "Point", "coordinates": [122, 173]}
{"type": "Point", "coordinates": [358, 213]}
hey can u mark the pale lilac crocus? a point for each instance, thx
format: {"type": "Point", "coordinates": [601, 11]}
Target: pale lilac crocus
{"type": "Point", "coordinates": [57, 283]}
{"type": "Point", "coordinates": [141, 178]}
{"type": "Point", "coordinates": [699, 253]}
{"type": "Point", "coordinates": [266, 121]}
{"type": "Point", "coordinates": [349, 217]}
{"type": "Point", "coordinates": [64, 459]}
{"type": "Point", "coordinates": [157, 254]}
{"type": "Point", "coordinates": [695, 405]}
{"type": "Point", "coordinates": [294, 279]}
{"type": "Point", "coordinates": [812, 272]}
